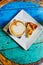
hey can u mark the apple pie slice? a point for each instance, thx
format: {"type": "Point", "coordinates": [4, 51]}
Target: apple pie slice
{"type": "Point", "coordinates": [30, 27]}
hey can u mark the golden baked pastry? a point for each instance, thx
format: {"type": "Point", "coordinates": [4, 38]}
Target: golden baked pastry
{"type": "Point", "coordinates": [30, 27]}
{"type": "Point", "coordinates": [17, 28]}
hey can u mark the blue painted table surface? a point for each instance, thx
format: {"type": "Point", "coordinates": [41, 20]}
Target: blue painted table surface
{"type": "Point", "coordinates": [9, 48]}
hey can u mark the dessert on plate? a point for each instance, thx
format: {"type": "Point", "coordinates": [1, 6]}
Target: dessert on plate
{"type": "Point", "coordinates": [30, 27]}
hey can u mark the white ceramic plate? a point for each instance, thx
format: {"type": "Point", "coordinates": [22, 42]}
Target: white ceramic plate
{"type": "Point", "coordinates": [24, 41]}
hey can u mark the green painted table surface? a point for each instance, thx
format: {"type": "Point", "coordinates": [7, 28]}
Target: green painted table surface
{"type": "Point", "coordinates": [14, 52]}
{"type": "Point", "coordinates": [9, 48]}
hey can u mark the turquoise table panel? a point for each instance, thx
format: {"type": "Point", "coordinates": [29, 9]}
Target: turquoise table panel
{"type": "Point", "coordinates": [9, 48]}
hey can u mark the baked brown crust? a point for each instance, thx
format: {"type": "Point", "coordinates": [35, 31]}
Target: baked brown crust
{"type": "Point", "coordinates": [30, 27]}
